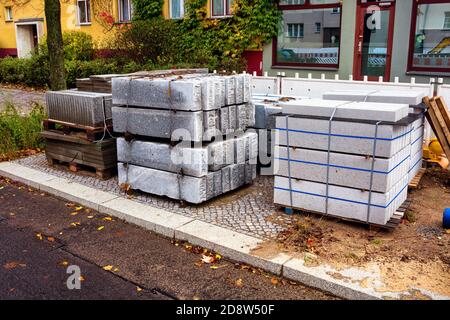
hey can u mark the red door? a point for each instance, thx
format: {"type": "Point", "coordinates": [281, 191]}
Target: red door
{"type": "Point", "coordinates": [373, 43]}
{"type": "Point", "coordinates": [254, 61]}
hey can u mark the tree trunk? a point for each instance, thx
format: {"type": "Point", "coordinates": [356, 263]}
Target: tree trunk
{"type": "Point", "coordinates": [55, 45]}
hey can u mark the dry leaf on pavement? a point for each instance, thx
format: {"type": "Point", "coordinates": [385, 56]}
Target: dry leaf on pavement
{"type": "Point", "coordinates": [208, 259]}
{"type": "Point", "coordinates": [101, 228]}
{"type": "Point", "coordinates": [239, 283]}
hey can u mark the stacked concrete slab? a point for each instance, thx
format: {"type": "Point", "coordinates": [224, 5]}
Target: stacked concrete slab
{"type": "Point", "coordinates": [190, 140]}
{"type": "Point", "coordinates": [266, 109]}
{"type": "Point", "coordinates": [343, 158]}
{"type": "Point", "coordinates": [416, 109]}
{"type": "Point", "coordinates": [79, 107]}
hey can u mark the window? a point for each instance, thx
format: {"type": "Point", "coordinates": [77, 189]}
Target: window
{"type": "Point", "coordinates": [447, 20]}
{"type": "Point", "coordinates": [295, 30]}
{"type": "Point", "coordinates": [221, 8]}
{"type": "Point", "coordinates": [309, 34]}
{"type": "Point", "coordinates": [125, 10]}
{"type": "Point", "coordinates": [318, 27]}
{"type": "Point", "coordinates": [430, 37]}
{"type": "Point", "coordinates": [176, 9]}
{"type": "Point", "coordinates": [84, 11]}
{"type": "Point", "coordinates": [8, 14]}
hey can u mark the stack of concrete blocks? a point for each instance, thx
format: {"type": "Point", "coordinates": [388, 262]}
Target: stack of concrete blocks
{"type": "Point", "coordinates": [266, 109]}
{"type": "Point", "coordinates": [416, 111]}
{"type": "Point", "coordinates": [340, 160]}
{"type": "Point", "coordinates": [79, 107]}
{"type": "Point", "coordinates": [190, 134]}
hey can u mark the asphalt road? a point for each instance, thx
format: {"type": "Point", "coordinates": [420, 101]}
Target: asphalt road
{"type": "Point", "coordinates": [41, 236]}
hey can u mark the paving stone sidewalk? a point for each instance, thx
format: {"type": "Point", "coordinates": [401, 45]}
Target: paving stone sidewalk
{"type": "Point", "coordinates": [249, 210]}
{"type": "Point", "coordinates": [23, 100]}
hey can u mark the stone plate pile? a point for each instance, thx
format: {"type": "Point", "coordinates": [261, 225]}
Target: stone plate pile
{"type": "Point", "coordinates": [185, 137]}
{"type": "Point", "coordinates": [345, 159]}
{"type": "Point", "coordinates": [266, 109]}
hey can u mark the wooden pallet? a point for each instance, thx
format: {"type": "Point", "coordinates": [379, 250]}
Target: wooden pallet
{"type": "Point", "coordinates": [79, 154]}
{"type": "Point", "coordinates": [392, 224]}
{"type": "Point", "coordinates": [414, 184]}
{"type": "Point", "coordinates": [85, 132]}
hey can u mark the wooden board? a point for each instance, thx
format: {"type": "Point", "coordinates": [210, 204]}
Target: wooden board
{"type": "Point", "coordinates": [85, 132]}
{"type": "Point", "coordinates": [414, 184]}
{"type": "Point", "coordinates": [443, 109]}
{"type": "Point", "coordinates": [435, 124]}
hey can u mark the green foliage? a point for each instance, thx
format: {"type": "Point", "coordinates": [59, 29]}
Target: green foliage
{"type": "Point", "coordinates": [32, 71]}
{"type": "Point", "coordinates": [18, 131]}
{"type": "Point", "coordinates": [147, 9]}
{"type": "Point", "coordinates": [78, 45]}
{"type": "Point", "coordinates": [202, 41]}
{"type": "Point", "coordinates": [155, 41]}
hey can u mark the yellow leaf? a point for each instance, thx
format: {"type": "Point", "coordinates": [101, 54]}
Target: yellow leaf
{"type": "Point", "coordinates": [274, 281]}
{"type": "Point", "coordinates": [64, 263]}
{"type": "Point", "coordinates": [447, 231]}
{"type": "Point", "coordinates": [90, 217]}
{"type": "Point", "coordinates": [116, 269]}
{"type": "Point", "coordinates": [81, 278]}
{"type": "Point", "coordinates": [108, 267]}
{"type": "Point", "coordinates": [214, 267]}
{"type": "Point", "coordinates": [107, 219]}
{"type": "Point", "coordinates": [218, 256]}
{"type": "Point", "coordinates": [101, 228]}
{"type": "Point", "coordinates": [138, 289]}
{"type": "Point", "coordinates": [39, 236]}
{"type": "Point", "coordinates": [239, 282]}
{"type": "Point", "coordinates": [74, 213]}
{"type": "Point", "coordinates": [78, 208]}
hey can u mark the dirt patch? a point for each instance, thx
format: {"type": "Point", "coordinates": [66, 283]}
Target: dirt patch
{"type": "Point", "coordinates": [416, 254]}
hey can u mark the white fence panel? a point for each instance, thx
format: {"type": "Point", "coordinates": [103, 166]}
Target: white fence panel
{"type": "Point", "coordinates": [266, 85]}
{"type": "Point", "coordinates": [443, 90]}
{"type": "Point", "coordinates": [314, 88]}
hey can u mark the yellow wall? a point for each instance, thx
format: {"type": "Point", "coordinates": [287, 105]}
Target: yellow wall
{"type": "Point", "coordinates": [35, 9]}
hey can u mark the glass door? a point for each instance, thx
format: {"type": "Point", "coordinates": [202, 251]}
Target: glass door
{"type": "Point", "coordinates": [373, 45]}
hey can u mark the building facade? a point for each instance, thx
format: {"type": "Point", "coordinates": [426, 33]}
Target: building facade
{"type": "Point", "coordinates": [374, 38]}
{"type": "Point", "coordinates": [390, 38]}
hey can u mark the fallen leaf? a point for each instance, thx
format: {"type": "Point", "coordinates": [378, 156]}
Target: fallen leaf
{"type": "Point", "coordinates": [74, 213]}
{"type": "Point", "coordinates": [39, 236]}
{"type": "Point", "coordinates": [64, 263]}
{"type": "Point", "coordinates": [108, 267]}
{"type": "Point", "coordinates": [208, 259]}
{"type": "Point", "coordinates": [199, 264]}
{"type": "Point", "coordinates": [13, 264]}
{"type": "Point", "coordinates": [447, 231]}
{"type": "Point", "coordinates": [87, 210]}
{"type": "Point", "coordinates": [51, 239]}
{"type": "Point", "coordinates": [90, 217]}
{"type": "Point", "coordinates": [81, 278]}
{"type": "Point", "coordinates": [74, 224]}
{"type": "Point", "coordinates": [138, 289]}
{"type": "Point", "coordinates": [116, 269]}
{"type": "Point", "coordinates": [12, 214]}
{"type": "Point", "coordinates": [214, 267]}
{"type": "Point", "coordinates": [78, 208]}
{"type": "Point", "coordinates": [218, 256]}
{"type": "Point", "coordinates": [101, 228]}
{"type": "Point", "coordinates": [70, 205]}
{"type": "Point", "coordinates": [2, 187]}
{"type": "Point", "coordinates": [239, 282]}
{"type": "Point", "coordinates": [107, 219]}
{"type": "Point", "coordinates": [274, 281]}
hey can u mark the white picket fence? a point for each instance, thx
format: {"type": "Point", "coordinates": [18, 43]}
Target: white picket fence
{"type": "Point", "coordinates": [314, 88]}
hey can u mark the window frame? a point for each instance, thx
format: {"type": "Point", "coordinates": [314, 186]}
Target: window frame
{"type": "Point", "coordinates": [446, 21]}
{"type": "Point", "coordinates": [411, 67]}
{"type": "Point", "coordinates": [9, 14]}
{"type": "Point", "coordinates": [308, 6]}
{"type": "Point", "coordinates": [182, 10]}
{"type": "Point", "coordinates": [130, 10]}
{"type": "Point", "coordinates": [87, 8]}
{"type": "Point", "coordinates": [227, 13]}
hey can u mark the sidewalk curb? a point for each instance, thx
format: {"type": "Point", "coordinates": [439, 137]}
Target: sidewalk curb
{"type": "Point", "coordinates": [230, 244]}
